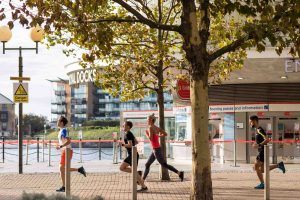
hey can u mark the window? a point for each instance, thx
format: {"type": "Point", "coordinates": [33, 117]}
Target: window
{"type": "Point", "coordinates": [4, 116]}
{"type": "Point", "coordinates": [4, 126]}
{"type": "Point", "coordinates": [4, 107]}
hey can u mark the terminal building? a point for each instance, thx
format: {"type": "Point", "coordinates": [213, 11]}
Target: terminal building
{"type": "Point", "coordinates": [7, 117]}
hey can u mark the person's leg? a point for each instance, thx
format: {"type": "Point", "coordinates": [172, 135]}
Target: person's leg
{"type": "Point", "coordinates": [62, 174]}
{"type": "Point", "coordinates": [125, 167]}
{"type": "Point", "coordinates": [258, 166]}
{"type": "Point", "coordinates": [163, 162]}
{"type": "Point", "coordinates": [149, 162]}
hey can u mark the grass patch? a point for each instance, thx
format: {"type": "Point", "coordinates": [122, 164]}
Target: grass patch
{"type": "Point", "coordinates": [88, 133]}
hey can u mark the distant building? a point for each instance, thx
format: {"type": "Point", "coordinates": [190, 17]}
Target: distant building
{"type": "Point", "coordinates": [80, 100]}
{"type": "Point", "coordinates": [7, 117]}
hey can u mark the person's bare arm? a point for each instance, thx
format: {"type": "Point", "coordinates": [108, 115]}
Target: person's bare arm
{"type": "Point", "coordinates": [162, 133]}
{"type": "Point", "coordinates": [64, 144]}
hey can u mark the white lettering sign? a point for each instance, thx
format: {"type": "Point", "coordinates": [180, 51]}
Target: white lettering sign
{"type": "Point", "coordinates": [82, 76]}
{"type": "Point", "coordinates": [239, 108]}
{"type": "Point", "coordinates": [292, 66]}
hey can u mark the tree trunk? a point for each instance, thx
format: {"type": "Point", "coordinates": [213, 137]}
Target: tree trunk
{"type": "Point", "coordinates": [164, 174]}
{"type": "Point", "coordinates": [201, 176]}
{"type": "Point", "coordinates": [195, 31]}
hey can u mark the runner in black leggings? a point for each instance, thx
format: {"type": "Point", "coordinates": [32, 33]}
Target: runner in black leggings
{"type": "Point", "coordinates": [153, 133]}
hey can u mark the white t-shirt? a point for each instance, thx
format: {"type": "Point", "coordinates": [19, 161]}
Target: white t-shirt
{"type": "Point", "coordinates": [62, 137]}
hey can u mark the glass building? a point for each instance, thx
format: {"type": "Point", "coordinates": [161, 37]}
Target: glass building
{"type": "Point", "coordinates": [85, 101]}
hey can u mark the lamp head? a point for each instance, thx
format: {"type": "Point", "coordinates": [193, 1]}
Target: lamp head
{"type": "Point", "coordinates": [5, 33]}
{"type": "Point", "coordinates": [37, 34]}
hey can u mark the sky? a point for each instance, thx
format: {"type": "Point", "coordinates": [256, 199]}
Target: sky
{"type": "Point", "coordinates": [47, 64]}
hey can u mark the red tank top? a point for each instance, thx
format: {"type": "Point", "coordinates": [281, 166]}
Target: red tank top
{"type": "Point", "coordinates": [155, 139]}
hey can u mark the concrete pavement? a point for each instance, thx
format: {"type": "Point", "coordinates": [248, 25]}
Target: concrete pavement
{"type": "Point", "coordinates": [104, 179]}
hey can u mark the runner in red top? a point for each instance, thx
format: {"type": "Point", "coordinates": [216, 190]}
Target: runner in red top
{"type": "Point", "coordinates": [153, 133]}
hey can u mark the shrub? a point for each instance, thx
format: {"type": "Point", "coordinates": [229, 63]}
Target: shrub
{"type": "Point", "coordinates": [38, 196]}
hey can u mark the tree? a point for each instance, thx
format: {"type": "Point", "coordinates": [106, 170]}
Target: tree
{"type": "Point", "coordinates": [34, 124]}
{"type": "Point", "coordinates": [258, 24]}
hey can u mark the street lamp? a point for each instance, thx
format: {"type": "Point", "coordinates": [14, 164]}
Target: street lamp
{"type": "Point", "coordinates": [5, 36]}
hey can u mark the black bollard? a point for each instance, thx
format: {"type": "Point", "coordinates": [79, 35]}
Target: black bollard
{"type": "Point", "coordinates": [99, 146]}
{"type": "Point", "coordinates": [3, 149]}
{"type": "Point", "coordinates": [38, 148]}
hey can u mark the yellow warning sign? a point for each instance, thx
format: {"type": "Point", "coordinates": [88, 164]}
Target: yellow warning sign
{"type": "Point", "coordinates": [20, 92]}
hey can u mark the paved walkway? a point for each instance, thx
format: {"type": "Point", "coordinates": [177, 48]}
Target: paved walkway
{"type": "Point", "coordinates": [228, 183]}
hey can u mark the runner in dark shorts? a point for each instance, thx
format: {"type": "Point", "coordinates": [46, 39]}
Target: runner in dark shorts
{"type": "Point", "coordinates": [261, 139]}
{"type": "Point", "coordinates": [129, 142]}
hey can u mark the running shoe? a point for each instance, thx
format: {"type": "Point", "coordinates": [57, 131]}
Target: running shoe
{"type": "Point", "coordinates": [260, 186]}
{"type": "Point", "coordinates": [143, 189]}
{"type": "Point", "coordinates": [281, 167]}
{"type": "Point", "coordinates": [82, 171]}
{"type": "Point", "coordinates": [62, 189]}
{"type": "Point", "coordinates": [181, 176]}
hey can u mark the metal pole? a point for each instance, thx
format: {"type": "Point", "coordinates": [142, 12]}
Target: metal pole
{"type": "Point", "coordinates": [43, 150]}
{"type": "Point", "coordinates": [99, 145]}
{"type": "Point", "coordinates": [27, 151]}
{"type": "Point", "coordinates": [3, 152]}
{"type": "Point", "coordinates": [38, 148]}
{"type": "Point", "coordinates": [80, 149]}
{"type": "Point", "coordinates": [20, 131]}
{"type": "Point", "coordinates": [267, 172]}
{"type": "Point", "coordinates": [49, 154]}
{"type": "Point", "coordinates": [67, 172]}
{"type": "Point", "coordinates": [120, 147]}
{"type": "Point", "coordinates": [134, 173]}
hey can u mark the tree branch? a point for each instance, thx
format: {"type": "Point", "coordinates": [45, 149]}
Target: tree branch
{"type": "Point", "coordinates": [113, 20]}
{"type": "Point", "coordinates": [231, 47]}
{"type": "Point", "coordinates": [146, 21]}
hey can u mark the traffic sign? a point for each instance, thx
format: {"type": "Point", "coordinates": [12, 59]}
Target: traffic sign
{"type": "Point", "coordinates": [20, 92]}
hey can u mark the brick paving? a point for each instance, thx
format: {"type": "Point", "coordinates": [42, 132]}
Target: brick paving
{"type": "Point", "coordinates": [116, 186]}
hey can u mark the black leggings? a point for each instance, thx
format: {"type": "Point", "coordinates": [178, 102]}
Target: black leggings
{"type": "Point", "coordinates": [156, 154]}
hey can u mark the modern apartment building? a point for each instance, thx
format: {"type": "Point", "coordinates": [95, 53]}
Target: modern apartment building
{"type": "Point", "coordinates": [7, 117]}
{"type": "Point", "coordinates": [80, 100]}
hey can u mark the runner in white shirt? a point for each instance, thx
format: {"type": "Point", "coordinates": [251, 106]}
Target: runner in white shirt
{"type": "Point", "coordinates": [64, 141]}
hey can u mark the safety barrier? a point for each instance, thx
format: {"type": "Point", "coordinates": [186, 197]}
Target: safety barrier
{"type": "Point", "coordinates": [33, 150]}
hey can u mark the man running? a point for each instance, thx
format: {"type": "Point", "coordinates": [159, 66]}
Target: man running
{"type": "Point", "coordinates": [261, 139]}
{"type": "Point", "coordinates": [153, 133]}
{"type": "Point", "coordinates": [64, 142]}
{"type": "Point", "coordinates": [129, 142]}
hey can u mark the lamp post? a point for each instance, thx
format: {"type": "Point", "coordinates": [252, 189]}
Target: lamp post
{"type": "Point", "coordinates": [5, 36]}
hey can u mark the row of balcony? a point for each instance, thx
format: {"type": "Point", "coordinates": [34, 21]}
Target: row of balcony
{"type": "Point", "coordinates": [58, 111]}
{"type": "Point", "coordinates": [78, 101]}
{"type": "Point", "coordinates": [60, 92]}
{"type": "Point", "coordinates": [78, 111]}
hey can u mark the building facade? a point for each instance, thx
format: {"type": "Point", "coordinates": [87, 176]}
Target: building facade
{"type": "Point", "coordinates": [80, 100]}
{"type": "Point", "coordinates": [7, 117]}
{"type": "Point", "coordinates": [268, 86]}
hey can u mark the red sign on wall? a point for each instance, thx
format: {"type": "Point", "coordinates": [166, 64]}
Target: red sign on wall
{"type": "Point", "coordinates": [183, 90]}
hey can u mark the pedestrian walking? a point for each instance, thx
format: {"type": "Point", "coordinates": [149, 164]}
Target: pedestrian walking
{"type": "Point", "coordinates": [261, 139]}
{"type": "Point", "coordinates": [64, 141]}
